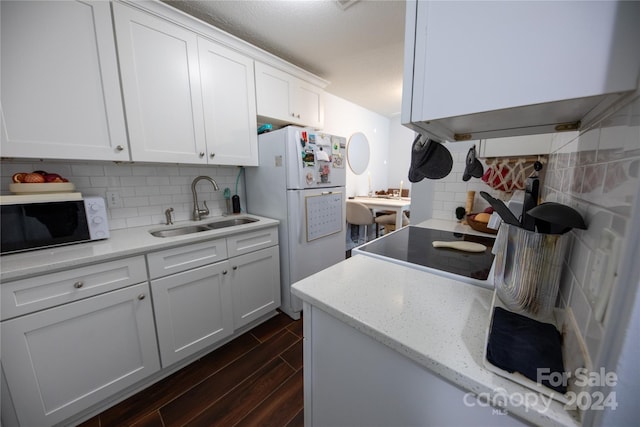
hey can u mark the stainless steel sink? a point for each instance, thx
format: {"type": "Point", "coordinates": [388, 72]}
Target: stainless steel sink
{"type": "Point", "coordinates": [190, 229]}
{"type": "Point", "coordinates": [229, 223]}
{"type": "Point", "coordinates": [172, 232]}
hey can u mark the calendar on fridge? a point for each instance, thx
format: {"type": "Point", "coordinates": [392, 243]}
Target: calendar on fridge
{"type": "Point", "coordinates": [324, 215]}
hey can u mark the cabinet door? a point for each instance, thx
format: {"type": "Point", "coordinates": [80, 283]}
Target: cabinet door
{"type": "Point", "coordinates": [255, 284]}
{"type": "Point", "coordinates": [193, 310]}
{"type": "Point", "coordinates": [60, 361]}
{"type": "Point", "coordinates": [229, 101]}
{"type": "Point", "coordinates": [287, 99]}
{"type": "Point", "coordinates": [498, 75]}
{"type": "Point", "coordinates": [308, 104]}
{"type": "Point", "coordinates": [60, 88]}
{"type": "Point", "coordinates": [273, 93]}
{"type": "Point", "coordinates": [161, 88]}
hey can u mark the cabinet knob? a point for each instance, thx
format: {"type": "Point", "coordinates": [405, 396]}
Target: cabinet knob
{"type": "Point", "coordinates": [120, 147]}
{"type": "Point", "coordinates": [78, 285]}
{"type": "Point", "coordinates": [224, 271]}
{"type": "Point", "coordinates": [201, 154]}
{"type": "Point", "coordinates": [141, 297]}
{"type": "Point", "coordinates": [298, 116]}
{"type": "Point", "coordinates": [293, 114]}
{"type": "Point", "coordinates": [212, 155]}
{"type": "Point", "coordinates": [235, 267]}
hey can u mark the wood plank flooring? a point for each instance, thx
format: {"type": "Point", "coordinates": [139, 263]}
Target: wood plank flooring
{"type": "Point", "coordinates": [254, 380]}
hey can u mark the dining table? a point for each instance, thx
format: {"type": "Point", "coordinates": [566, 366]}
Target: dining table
{"type": "Point", "coordinates": [387, 203]}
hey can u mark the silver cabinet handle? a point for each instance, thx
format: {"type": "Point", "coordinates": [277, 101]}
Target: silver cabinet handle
{"type": "Point", "coordinates": [78, 285]}
{"type": "Point", "coordinates": [298, 116]}
{"type": "Point", "coordinates": [224, 271]}
{"type": "Point", "coordinates": [141, 297]}
{"type": "Point", "coordinates": [201, 154]}
{"type": "Point", "coordinates": [212, 155]}
{"type": "Point", "coordinates": [235, 267]}
{"type": "Point", "coordinates": [120, 147]}
{"type": "Point", "coordinates": [293, 114]}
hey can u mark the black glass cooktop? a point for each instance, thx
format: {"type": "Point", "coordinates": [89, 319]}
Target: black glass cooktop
{"type": "Point", "coordinates": [413, 245]}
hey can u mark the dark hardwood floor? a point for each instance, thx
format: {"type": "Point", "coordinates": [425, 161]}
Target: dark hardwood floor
{"type": "Point", "coordinates": [254, 380]}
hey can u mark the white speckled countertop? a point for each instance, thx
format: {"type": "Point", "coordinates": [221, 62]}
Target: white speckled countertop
{"type": "Point", "coordinates": [121, 243]}
{"type": "Point", "coordinates": [438, 322]}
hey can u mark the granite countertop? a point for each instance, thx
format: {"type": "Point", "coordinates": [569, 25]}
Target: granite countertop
{"type": "Point", "coordinates": [438, 322]}
{"type": "Point", "coordinates": [121, 243]}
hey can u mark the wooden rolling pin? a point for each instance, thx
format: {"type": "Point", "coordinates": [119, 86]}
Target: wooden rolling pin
{"type": "Point", "coordinates": [460, 245]}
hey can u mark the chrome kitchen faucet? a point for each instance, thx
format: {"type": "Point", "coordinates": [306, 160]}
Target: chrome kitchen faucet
{"type": "Point", "coordinates": [197, 212]}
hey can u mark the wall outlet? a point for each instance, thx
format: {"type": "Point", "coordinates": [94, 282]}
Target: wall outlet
{"type": "Point", "coordinates": [113, 199]}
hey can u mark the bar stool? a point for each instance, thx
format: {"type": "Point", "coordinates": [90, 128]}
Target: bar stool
{"type": "Point", "coordinates": [359, 214]}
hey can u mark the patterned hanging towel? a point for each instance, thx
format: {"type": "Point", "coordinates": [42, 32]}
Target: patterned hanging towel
{"type": "Point", "coordinates": [509, 174]}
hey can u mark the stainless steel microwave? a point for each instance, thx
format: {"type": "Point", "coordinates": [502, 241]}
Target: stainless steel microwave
{"type": "Point", "coordinates": [30, 222]}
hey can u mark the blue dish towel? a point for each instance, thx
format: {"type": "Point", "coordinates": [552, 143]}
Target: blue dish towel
{"type": "Point", "coordinates": [520, 344]}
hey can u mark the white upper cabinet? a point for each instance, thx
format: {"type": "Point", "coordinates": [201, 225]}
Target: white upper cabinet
{"type": "Point", "coordinates": [187, 99]}
{"type": "Point", "coordinates": [161, 88]}
{"type": "Point", "coordinates": [229, 101]}
{"type": "Point", "coordinates": [60, 91]}
{"type": "Point", "coordinates": [477, 70]}
{"type": "Point", "coordinates": [286, 99]}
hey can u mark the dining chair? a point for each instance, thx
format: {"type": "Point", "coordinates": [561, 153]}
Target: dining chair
{"type": "Point", "coordinates": [389, 221]}
{"type": "Point", "coordinates": [359, 214]}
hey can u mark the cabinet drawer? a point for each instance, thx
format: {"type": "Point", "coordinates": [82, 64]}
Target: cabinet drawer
{"type": "Point", "coordinates": [40, 292]}
{"type": "Point", "coordinates": [183, 258]}
{"type": "Point", "coordinates": [253, 241]}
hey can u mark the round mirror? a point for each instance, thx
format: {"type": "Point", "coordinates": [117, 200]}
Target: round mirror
{"type": "Point", "coordinates": [358, 153]}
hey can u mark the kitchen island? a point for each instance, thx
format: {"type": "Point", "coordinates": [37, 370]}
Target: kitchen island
{"type": "Point", "coordinates": [386, 344]}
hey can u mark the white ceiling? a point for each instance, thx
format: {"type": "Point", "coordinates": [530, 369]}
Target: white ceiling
{"type": "Point", "coordinates": [358, 50]}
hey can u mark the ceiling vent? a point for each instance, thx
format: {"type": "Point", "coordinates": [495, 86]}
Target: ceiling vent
{"type": "Point", "coordinates": [345, 4]}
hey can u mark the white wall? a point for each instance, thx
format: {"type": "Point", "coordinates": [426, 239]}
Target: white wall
{"type": "Point", "coordinates": [345, 118]}
{"type": "Point", "coordinates": [399, 154]}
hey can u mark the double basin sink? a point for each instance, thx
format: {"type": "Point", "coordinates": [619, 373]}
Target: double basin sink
{"type": "Point", "coordinates": [190, 229]}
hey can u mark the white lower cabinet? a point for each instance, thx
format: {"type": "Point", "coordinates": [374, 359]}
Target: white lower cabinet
{"type": "Point", "coordinates": [73, 340]}
{"type": "Point", "coordinates": [193, 310]}
{"type": "Point", "coordinates": [255, 285]}
{"type": "Point", "coordinates": [60, 361]}
{"type": "Point", "coordinates": [201, 295]}
{"type": "Point", "coordinates": [346, 369]}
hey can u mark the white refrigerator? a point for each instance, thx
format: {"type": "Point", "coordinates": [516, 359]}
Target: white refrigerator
{"type": "Point", "coordinates": [301, 182]}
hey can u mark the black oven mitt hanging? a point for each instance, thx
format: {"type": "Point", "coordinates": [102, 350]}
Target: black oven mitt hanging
{"type": "Point", "coordinates": [473, 167]}
{"type": "Point", "coordinates": [429, 159]}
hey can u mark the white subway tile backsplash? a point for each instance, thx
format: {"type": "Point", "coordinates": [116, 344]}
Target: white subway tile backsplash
{"type": "Point", "coordinates": [144, 171]}
{"type": "Point", "coordinates": [132, 202]}
{"type": "Point", "coordinates": [138, 221]}
{"type": "Point", "coordinates": [598, 174]}
{"type": "Point", "coordinates": [145, 190]}
{"type": "Point", "coordinates": [593, 337]}
{"type": "Point", "coordinates": [123, 213]}
{"type": "Point", "coordinates": [133, 181]}
{"type": "Point", "coordinates": [581, 308]}
{"type": "Point", "coordinates": [87, 170]}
